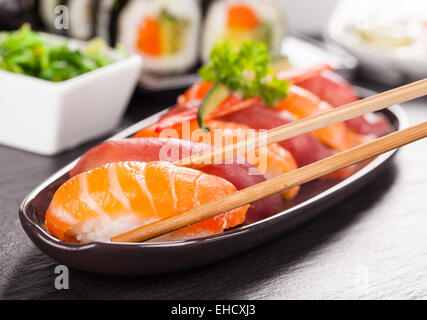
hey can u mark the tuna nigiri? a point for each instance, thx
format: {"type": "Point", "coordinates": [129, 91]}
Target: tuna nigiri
{"type": "Point", "coordinates": [116, 198]}
{"type": "Point", "coordinates": [305, 148]}
{"type": "Point", "coordinates": [304, 104]}
{"type": "Point", "coordinates": [190, 100]}
{"type": "Point", "coordinates": [333, 89]}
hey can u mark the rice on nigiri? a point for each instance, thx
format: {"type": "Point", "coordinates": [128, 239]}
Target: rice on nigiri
{"type": "Point", "coordinates": [242, 20]}
{"type": "Point", "coordinates": [116, 198]}
{"type": "Point", "coordinates": [164, 32]}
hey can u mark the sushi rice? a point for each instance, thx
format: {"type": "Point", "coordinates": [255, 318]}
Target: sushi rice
{"type": "Point", "coordinates": [267, 25]}
{"type": "Point", "coordinates": [178, 23]}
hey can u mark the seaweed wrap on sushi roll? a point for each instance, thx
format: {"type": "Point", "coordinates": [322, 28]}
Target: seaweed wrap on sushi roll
{"type": "Point", "coordinates": [242, 20]}
{"type": "Point", "coordinates": [164, 32]}
{"type": "Point", "coordinates": [107, 19]}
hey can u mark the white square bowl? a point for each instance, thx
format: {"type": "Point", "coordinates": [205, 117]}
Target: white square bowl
{"type": "Point", "coordinates": [47, 117]}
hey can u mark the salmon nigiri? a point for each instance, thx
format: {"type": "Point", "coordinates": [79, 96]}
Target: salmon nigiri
{"type": "Point", "coordinates": [335, 90]}
{"type": "Point", "coordinates": [119, 197]}
{"type": "Point", "coordinates": [154, 149]}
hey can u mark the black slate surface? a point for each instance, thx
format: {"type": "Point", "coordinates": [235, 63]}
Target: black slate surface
{"type": "Point", "coordinates": [373, 245]}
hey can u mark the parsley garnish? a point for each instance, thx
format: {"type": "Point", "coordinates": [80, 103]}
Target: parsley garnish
{"type": "Point", "coordinates": [246, 71]}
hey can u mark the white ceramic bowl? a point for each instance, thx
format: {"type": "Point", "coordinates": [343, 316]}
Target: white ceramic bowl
{"type": "Point", "coordinates": [47, 118]}
{"type": "Point", "coordinates": [391, 67]}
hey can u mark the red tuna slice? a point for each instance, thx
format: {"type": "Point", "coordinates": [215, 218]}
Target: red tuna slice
{"type": "Point", "coordinates": [258, 210]}
{"type": "Point", "coordinates": [239, 173]}
{"type": "Point", "coordinates": [305, 148]}
{"type": "Point", "coordinates": [335, 90]}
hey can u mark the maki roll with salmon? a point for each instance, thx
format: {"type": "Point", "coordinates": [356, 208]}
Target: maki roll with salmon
{"type": "Point", "coordinates": [164, 32]}
{"type": "Point", "coordinates": [242, 20]}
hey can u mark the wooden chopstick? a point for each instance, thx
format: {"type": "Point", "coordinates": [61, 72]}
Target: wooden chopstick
{"type": "Point", "coordinates": [277, 184]}
{"type": "Point", "coordinates": [340, 114]}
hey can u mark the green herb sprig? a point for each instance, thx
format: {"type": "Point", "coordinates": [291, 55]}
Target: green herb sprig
{"type": "Point", "coordinates": [246, 71]}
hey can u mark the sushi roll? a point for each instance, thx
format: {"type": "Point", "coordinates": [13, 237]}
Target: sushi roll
{"type": "Point", "coordinates": [47, 12]}
{"type": "Point", "coordinates": [164, 32]}
{"type": "Point", "coordinates": [107, 19]}
{"type": "Point", "coordinates": [82, 18]}
{"type": "Point", "coordinates": [242, 20]}
{"type": "Point", "coordinates": [104, 19]}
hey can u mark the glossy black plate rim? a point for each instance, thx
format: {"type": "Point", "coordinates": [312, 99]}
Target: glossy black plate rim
{"type": "Point", "coordinates": [50, 244]}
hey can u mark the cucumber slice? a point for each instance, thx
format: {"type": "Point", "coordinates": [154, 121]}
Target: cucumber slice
{"type": "Point", "coordinates": [212, 100]}
{"type": "Point", "coordinates": [279, 63]}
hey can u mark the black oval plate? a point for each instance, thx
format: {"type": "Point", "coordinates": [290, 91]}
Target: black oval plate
{"type": "Point", "coordinates": [162, 257]}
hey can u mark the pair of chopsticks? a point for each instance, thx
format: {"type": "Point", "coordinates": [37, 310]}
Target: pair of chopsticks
{"type": "Point", "coordinates": [301, 175]}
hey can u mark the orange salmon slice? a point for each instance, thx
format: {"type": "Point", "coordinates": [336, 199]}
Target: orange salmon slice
{"type": "Point", "coordinates": [119, 197]}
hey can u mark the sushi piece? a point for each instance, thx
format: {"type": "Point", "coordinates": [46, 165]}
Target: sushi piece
{"type": "Point", "coordinates": [47, 12]}
{"type": "Point", "coordinates": [189, 102]}
{"type": "Point", "coordinates": [117, 198]}
{"type": "Point", "coordinates": [276, 161]}
{"type": "Point", "coordinates": [108, 19]}
{"type": "Point", "coordinates": [242, 20]}
{"type": "Point", "coordinates": [83, 16]}
{"type": "Point", "coordinates": [333, 89]}
{"type": "Point", "coordinates": [240, 173]}
{"type": "Point", "coordinates": [303, 103]}
{"type": "Point", "coordinates": [164, 32]}
{"type": "Point", "coordinates": [304, 148]}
